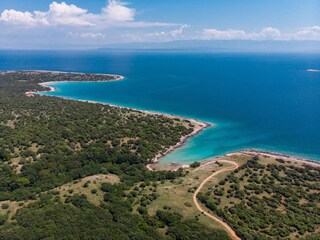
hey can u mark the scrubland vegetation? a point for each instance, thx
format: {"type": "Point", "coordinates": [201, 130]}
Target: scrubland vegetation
{"type": "Point", "coordinates": [268, 199]}
{"type": "Point", "coordinates": [48, 146]}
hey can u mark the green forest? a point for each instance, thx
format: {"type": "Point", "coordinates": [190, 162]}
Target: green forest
{"type": "Point", "coordinates": [265, 200]}
{"type": "Point", "coordinates": [46, 142]}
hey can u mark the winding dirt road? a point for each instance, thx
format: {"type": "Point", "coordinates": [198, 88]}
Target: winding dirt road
{"type": "Point", "coordinates": [231, 232]}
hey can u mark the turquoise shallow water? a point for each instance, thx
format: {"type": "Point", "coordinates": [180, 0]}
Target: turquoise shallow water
{"type": "Point", "coordinates": [265, 101]}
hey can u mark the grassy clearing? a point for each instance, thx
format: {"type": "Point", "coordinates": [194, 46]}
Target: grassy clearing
{"type": "Point", "coordinates": [90, 186]}
{"type": "Point", "coordinates": [9, 208]}
{"type": "Point", "coordinates": [177, 195]}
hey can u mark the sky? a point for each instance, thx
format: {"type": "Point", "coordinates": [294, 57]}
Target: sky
{"type": "Point", "coordinates": [96, 23]}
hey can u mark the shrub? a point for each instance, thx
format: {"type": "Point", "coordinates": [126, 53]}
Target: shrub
{"type": "Point", "coordinates": [195, 165]}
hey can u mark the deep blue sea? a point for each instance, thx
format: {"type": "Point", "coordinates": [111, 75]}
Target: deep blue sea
{"type": "Point", "coordinates": [265, 101]}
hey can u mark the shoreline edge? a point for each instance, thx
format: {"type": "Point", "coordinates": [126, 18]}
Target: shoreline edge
{"type": "Point", "coordinates": [199, 126]}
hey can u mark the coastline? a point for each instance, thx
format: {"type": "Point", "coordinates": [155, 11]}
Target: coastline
{"type": "Point", "coordinates": [267, 154]}
{"type": "Point", "coordinates": [199, 126]}
{"type": "Point", "coordinates": [283, 156]}
{"type": "Point", "coordinates": [52, 89]}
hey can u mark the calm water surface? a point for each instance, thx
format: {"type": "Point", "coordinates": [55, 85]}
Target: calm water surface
{"type": "Point", "coordinates": [265, 101]}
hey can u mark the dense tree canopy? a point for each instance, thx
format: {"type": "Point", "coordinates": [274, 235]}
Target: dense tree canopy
{"type": "Point", "coordinates": [49, 141]}
{"type": "Point", "coordinates": [46, 142]}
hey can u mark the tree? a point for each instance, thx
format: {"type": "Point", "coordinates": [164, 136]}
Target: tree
{"type": "Point", "coordinates": [195, 165]}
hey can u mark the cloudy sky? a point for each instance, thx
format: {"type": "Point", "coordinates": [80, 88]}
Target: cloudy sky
{"type": "Point", "coordinates": [84, 23]}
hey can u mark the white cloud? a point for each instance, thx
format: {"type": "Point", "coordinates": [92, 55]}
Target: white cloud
{"type": "Point", "coordinates": [215, 34]}
{"type": "Point", "coordinates": [160, 36]}
{"type": "Point", "coordinates": [117, 11]}
{"type": "Point", "coordinates": [17, 18]}
{"type": "Point", "coordinates": [310, 33]}
{"type": "Point", "coordinates": [64, 14]}
{"type": "Point", "coordinates": [178, 32]}
{"type": "Point", "coordinates": [267, 33]}
{"type": "Point", "coordinates": [142, 24]}
{"type": "Point", "coordinates": [63, 9]}
{"type": "Point", "coordinates": [168, 35]}
{"type": "Point", "coordinates": [116, 14]}
{"type": "Point", "coordinates": [116, 22]}
{"type": "Point", "coordinates": [58, 14]}
{"type": "Point", "coordinates": [87, 35]}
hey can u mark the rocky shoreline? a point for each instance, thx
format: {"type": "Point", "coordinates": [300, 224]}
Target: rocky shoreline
{"type": "Point", "coordinates": [279, 155]}
{"type": "Point", "coordinates": [198, 125]}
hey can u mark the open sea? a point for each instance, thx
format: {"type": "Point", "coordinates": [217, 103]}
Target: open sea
{"type": "Point", "coordinates": [264, 101]}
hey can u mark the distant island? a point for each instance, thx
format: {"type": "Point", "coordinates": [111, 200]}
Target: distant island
{"type": "Point", "coordinates": [76, 168]}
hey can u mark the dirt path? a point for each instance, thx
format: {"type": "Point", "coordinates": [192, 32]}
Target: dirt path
{"type": "Point", "coordinates": [231, 232]}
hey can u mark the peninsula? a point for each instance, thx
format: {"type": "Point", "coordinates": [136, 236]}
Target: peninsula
{"type": "Point", "coordinates": [72, 161]}
{"type": "Point", "coordinates": [59, 76]}
{"type": "Point", "coordinates": [64, 159]}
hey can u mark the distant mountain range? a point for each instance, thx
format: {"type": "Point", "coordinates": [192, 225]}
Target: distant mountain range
{"type": "Point", "coordinates": [191, 45]}
{"type": "Point", "coordinates": [222, 45]}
